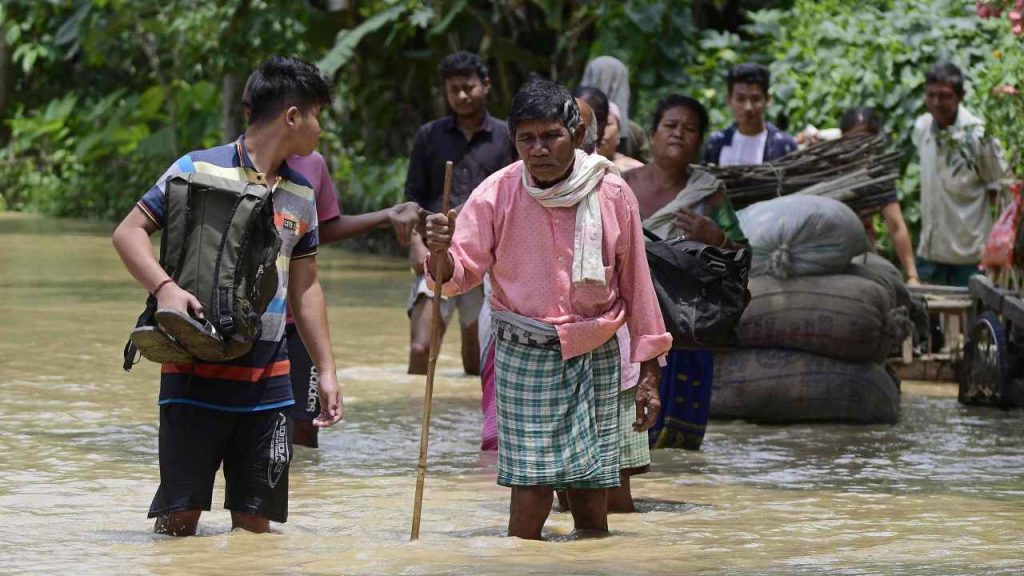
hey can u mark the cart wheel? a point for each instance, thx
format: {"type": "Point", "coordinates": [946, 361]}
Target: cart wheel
{"type": "Point", "coordinates": [986, 367]}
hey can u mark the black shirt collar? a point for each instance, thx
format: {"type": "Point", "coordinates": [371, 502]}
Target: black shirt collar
{"type": "Point", "coordinates": [452, 125]}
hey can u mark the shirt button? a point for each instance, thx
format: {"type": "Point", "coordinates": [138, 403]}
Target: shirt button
{"type": "Point", "coordinates": [560, 259]}
{"type": "Point", "coordinates": [561, 298]}
{"type": "Point", "coordinates": [557, 221]}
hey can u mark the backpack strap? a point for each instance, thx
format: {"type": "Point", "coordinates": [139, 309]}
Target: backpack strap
{"type": "Point", "coordinates": [651, 235]}
{"type": "Point", "coordinates": [227, 263]}
{"type": "Point", "coordinates": [228, 274]}
{"type": "Point", "coordinates": [178, 198]}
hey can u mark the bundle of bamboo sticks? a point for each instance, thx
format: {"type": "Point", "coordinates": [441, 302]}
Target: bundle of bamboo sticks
{"type": "Point", "coordinates": [855, 169]}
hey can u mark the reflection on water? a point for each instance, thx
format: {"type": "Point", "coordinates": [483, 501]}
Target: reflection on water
{"type": "Point", "coordinates": [941, 492]}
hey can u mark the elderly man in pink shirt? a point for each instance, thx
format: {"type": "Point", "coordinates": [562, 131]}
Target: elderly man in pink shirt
{"type": "Point", "coordinates": [559, 233]}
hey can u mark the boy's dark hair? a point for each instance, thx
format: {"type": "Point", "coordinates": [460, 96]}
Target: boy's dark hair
{"type": "Point", "coordinates": [863, 116]}
{"type": "Point", "coordinates": [533, 76]}
{"type": "Point", "coordinates": [462, 63]}
{"type": "Point", "coordinates": [749, 73]}
{"type": "Point", "coordinates": [544, 100]}
{"type": "Point", "coordinates": [678, 100]}
{"type": "Point", "coordinates": [596, 99]}
{"type": "Point", "coordinates": [945, 72]}
{"type": "Point", "coordinates": [281, 82]}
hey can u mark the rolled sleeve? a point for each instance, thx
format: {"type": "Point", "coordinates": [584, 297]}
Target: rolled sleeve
{"type": "Point", "coordinates": [643, 348]}
{"type": "Point", "coordinates": [454, 285]}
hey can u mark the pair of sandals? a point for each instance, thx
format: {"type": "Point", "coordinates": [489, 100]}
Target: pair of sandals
{"type": "Point", "coordinates": [179, 338]}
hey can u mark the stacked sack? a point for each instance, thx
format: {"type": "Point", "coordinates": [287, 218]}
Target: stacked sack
{"type": "Point", "coordinates": [823, 317]}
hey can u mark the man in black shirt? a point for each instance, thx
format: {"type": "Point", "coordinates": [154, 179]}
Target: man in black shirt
{"type": "Point", "coordinates": [478, 145]}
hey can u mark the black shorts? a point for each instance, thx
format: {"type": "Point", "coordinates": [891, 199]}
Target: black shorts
{"type": "Point", "coordinates": [305, 379]}
{"type": "Point", "coordinates": [254, 447]}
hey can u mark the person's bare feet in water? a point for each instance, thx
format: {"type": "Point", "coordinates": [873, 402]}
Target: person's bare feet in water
{"type": "Point", "coordinates": [620, 500]}
{"type": "Point", "coordinates": [563, 501]}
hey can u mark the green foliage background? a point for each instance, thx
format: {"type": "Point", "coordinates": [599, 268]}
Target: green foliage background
{"type": "Point", "coordinates": [97, 97]}
{"type": "Point", "coordinates": [829, 55]}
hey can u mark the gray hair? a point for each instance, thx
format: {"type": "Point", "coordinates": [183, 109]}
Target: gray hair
{"type": "Point", "coordinates": [544, 100]}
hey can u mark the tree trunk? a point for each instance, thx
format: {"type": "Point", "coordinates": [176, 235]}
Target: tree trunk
{"type": "Point", "coordinates": [232, 118]}
{"type": "Point", "coordinates": [6, 85]}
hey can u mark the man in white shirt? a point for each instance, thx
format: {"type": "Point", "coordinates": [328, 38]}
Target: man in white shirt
{"type": "Point", "coordinates": [750, 139]}
{"type": "Point", "coordinates": [961, 170]}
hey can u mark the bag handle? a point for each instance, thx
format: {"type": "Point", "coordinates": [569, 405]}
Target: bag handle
{"type": "Point", "coordinates": [651, 235]}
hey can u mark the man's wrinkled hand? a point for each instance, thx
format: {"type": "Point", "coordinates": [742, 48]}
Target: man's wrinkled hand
{"type": "Point", "coordinates": [440, 230]}
{"type": "Point", "coordinates": [648, 401]}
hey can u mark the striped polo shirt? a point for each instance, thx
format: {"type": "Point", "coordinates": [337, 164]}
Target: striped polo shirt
{"type": "Point", "coordinates": [258, 380]}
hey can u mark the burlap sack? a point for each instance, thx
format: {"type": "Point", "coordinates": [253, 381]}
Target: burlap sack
{"type": "Point", "coordinates": [799, 235]}
{"type": "Point", "coordinates": [839, 316]}
{"type": "Point", "coordinates": [780, 386]}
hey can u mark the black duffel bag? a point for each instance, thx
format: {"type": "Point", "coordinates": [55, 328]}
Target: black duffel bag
{"type": "Point", "coordinates": [702, 290]}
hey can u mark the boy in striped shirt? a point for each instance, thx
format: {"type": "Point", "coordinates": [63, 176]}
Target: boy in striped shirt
{"type": "Point", "coordinates": [234, 413]}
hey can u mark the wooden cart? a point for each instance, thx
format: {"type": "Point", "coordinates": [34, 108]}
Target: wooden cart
{"type": "Point", "coordinates": [992, 372]}
{"type": "Point", "coordinates": [949, 307]}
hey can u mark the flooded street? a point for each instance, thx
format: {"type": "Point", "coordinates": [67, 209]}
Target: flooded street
{"type": "Point", "coordinates": [942, 492]}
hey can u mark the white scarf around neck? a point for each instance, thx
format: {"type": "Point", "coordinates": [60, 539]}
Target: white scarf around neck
{"type": "Point", "coordinates": [579, 189]}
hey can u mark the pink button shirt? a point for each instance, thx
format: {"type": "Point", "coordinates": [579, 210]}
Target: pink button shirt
{"type": "Point", "coordinates": [527, 249]}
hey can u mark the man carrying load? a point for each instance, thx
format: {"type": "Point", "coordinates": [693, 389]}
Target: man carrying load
{"type": "Point", "coordinates": [235, 412]}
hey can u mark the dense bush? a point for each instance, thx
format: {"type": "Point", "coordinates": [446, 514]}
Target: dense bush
{"type": "Point", "coordinates": [107, 93]}
{"type": "Point", "coordinates": [999, 83]}
{"type": "Point", "coordinates": [829, 55]}
{"type": "Point", "coordinates": [97, 97]}
{"type": "Point", "coordinates": [96, 157]}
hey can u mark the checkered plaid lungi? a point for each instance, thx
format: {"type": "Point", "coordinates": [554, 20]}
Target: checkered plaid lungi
{"type": "Point", "coordinates": [634, 451]}
{"type": "Point", "coordinates": [557, 420]}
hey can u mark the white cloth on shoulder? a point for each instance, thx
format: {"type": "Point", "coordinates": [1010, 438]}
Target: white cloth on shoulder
{"type": "Point", "coordinates": [699, 186]}
{"type": "Point", "coordinates": [578, 190]}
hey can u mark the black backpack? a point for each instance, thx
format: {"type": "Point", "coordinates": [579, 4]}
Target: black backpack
{"type": "Point", "coordinates": [701, 289]}
{"type": "Point", "coordinates": [219, 242]}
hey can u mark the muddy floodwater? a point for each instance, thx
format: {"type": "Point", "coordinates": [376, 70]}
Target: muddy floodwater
{"type": "Point", "coordinates": [942, 492]}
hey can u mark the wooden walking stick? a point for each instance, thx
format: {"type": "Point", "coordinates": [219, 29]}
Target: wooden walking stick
{"type": "Point", "coordinates": [435, 347]}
